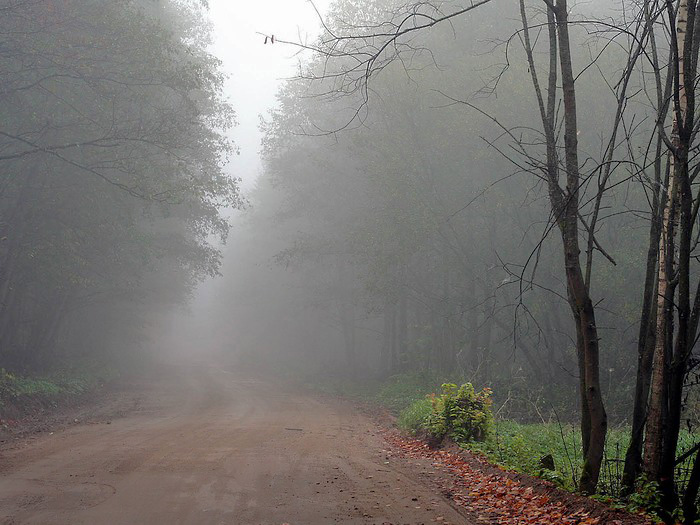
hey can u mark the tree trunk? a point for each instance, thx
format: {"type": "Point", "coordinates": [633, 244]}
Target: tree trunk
{"type": "Point", "coordinates": [473, 327]}
{"type": "Point", "coordinates": [690, 508]}
{"type": "Point", "coordinates": [446, 363]}
{"type": "Point", "coordinates": [565, 208]}
{"type": "Point", "coordinates": [666, 385]}
{"type": "Point", "coordinates": [583, 306]}
{"type": "Point", "coordinates": [402, 329]}
{"type": "Point", "coordinates": [394, 343]}
{"type": "Point", "coordinates": [387, 343]}
{"type": "Point", "coordinates": [647, 340]}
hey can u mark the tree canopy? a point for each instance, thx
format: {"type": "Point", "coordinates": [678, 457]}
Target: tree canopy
{"type": "Point", "coordinates": [112, 143]}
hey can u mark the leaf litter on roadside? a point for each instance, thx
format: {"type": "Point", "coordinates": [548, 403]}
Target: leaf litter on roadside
{"type": "Point", "coordinates": [494, 495]}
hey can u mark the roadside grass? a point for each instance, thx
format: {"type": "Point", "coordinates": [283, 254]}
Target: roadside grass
{"type": "Point", "coordinates": [522, 446]}
{"type": "Point", "coordinates": [412, 417]}
{"type": "Point", "coordinates": [396, 393]}
{"type": "Point", "coordinates": [516, 445]}
{"type": "Point", "coordinates": [18, 391]}
{"type": "Point", "coordinates": [401, 392]}
{"type": "Point", "coordinates": [510, 444]}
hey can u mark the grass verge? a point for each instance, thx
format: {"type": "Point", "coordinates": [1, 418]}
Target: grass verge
{"type": "Point", "coordinates": [514, 445]}
{"type": "Point", "coordinates": [20, 394]}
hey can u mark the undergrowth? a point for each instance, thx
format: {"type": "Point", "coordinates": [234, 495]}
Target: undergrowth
{"type": "Point", "coordinates": [412, 419]}
{"type": "Point", "coordinates": [522, 445]}
{"type": "Point", "coordinates": [18, 390]}
{"type": "Point", "coordinates": [396, 393]}
{"type": "Point", "coordinates": [509, 443]}
{"type": "Point", "coordinates": [460, 413]}
{"type": "Point", "coordinates": [550, 449]}
{"type": "Point", "coordinates": [401, 391]}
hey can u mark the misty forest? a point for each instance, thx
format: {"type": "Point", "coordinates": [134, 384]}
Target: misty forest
{"type": "Point", "coordinates": [473, 239]}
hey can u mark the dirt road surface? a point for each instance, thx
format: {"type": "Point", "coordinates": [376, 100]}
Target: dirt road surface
{"type": "Point", "coordinates": [213, 447]}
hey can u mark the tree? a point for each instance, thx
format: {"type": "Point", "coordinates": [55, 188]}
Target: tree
{"type": "Point", "coordinates": [427, 222]}
{"type": "Point", "coordinates": [677, 312]}
{"type": "Point", "coordinates": [367, 48]}
{"type": "Point", "coordinates": [111, 144]}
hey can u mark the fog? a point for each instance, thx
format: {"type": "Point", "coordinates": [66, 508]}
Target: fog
{"type": "Point", "coordinates": [410, 237]}
{"type": "Point", "coordinates": [350, 194]}
{"type": "Point", "coordinates": [256, 71]}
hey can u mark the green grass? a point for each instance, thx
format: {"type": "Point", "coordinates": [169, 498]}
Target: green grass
{"type": "Point", "coordinates": [401, 391]}
{"type": "Point", "coordinates": [520, 447]}
{"type": "Point", "coordinates": [17, 390]}
{"type": "Point", "coordinates": [412, 418]}
{"type": "Point", "coordinates": [510, 444]}
{"type": "Point", "coordinates": [395, 393]}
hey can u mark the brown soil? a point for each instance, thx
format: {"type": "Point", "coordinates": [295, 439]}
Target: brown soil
{"type": "Point", "coordinates": [201, 445]}
{"type": "Point", "coordinates": [29, 418]}
{"type": "Point", "coordinates": [209, 446]}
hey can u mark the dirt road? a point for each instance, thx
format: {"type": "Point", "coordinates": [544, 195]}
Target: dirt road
{"type": "Point", "coordinates": [217, 448]}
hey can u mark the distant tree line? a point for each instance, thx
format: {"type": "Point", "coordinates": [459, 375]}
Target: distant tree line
{"type": "Point", "coordinates": [112, 139]}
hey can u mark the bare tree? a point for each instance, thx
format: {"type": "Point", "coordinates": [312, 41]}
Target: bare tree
{"type": "Point", "coordinates": [356, 51]}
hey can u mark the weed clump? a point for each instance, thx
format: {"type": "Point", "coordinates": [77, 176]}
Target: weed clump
{"type": "Point", "coordinates": [459, 413]}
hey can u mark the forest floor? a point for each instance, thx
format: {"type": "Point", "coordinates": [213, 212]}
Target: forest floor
{"type": "Point", "coordinates": [202, 445]}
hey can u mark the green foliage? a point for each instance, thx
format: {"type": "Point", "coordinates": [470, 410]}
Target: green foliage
{"type": "Point", "coordinates": [413, 418]}
{"type": "Point", "coordinates": [13, 386]}
{"type": "Point", "coordinates": [16, 389]}
{"type": "Point", "coordinates": [521, 446]}
{"type": "Point", "coordinates": [119, 225]}
{"type": "Point", "coordinates": [460, 413]}
{"type": "Point", "coordinates": [401, 390]}
{"type": "Point", "coordinates": [647, 497]}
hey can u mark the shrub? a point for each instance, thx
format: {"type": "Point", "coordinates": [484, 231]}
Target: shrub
{"type": "Point", "coordinates": [460, 413]}
{"type": "Point", "coordinates": [647, 497]}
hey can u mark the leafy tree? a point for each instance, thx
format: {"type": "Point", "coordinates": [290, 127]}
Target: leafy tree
{"type": "Point", "coordinates": [112, 142]}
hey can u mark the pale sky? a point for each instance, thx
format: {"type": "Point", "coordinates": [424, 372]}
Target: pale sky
{"type": "Point", "coordinates": [255, 69]}
{"type": "Point", "coordinates": [255, 72]}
